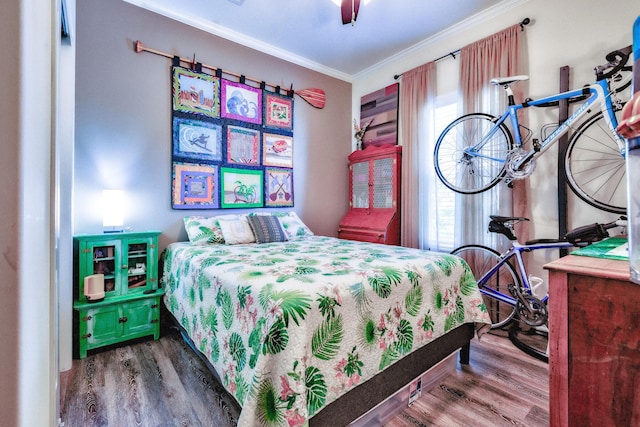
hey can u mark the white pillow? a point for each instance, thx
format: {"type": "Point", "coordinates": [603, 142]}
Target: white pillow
{"type": "Point", "coordinates": [236, 232]}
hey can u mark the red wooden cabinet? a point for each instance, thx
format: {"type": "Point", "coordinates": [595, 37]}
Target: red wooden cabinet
{"type": "Point", "coordinates": [374, 196]}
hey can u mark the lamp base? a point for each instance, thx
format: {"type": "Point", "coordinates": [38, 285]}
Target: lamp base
{"type": "Point", "coordinates": [112, 230]}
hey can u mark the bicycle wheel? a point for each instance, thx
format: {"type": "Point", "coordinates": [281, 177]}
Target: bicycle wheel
{"type": "Point", "coordinates": [469, 172]}
{"type": "Point", "coordinates": [595, 168]}
{"type": "Point", "coordinates": [481, 259]}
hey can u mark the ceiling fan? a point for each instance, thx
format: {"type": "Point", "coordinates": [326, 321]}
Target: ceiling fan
{"type": "Point", "coordinates": [349, 9]}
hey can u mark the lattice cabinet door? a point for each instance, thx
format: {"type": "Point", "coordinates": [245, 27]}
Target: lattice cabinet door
{"type": "Point", "coordinates": [383, 179]}
{"type": "Point", "coordinates": [360, 185]}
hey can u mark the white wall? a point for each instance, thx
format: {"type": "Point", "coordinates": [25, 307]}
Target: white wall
{"type": "Point", "coordinates": [574, 33]}
{"type": "Point", "coordinates": [27, 369]}
{"type": "Point", "coordinates": [64, 189]}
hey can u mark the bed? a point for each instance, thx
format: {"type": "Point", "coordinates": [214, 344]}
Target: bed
{"type": "Point", "coordinates": [314, 330]}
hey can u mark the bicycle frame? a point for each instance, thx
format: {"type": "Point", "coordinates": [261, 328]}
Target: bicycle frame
{"type": "Point", "coordinates": [516, 251]}
{"type": "Point", "coordinates": [598, 91]}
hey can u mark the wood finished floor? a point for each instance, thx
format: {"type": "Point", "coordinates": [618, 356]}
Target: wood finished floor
{"type": "Point", "coordinates": [162, 383]}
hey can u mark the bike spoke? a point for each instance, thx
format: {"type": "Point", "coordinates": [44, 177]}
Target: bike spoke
{"type": "Point", "coordinates": [481, 259]}
{"type": "Point", "coordinates": [467, 163]}
{"type": "Point", "coordinates": [596, 170]}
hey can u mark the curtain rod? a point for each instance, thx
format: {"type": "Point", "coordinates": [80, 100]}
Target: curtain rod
{"type": "Point", "coordinates": [139, 47]}
{"type": "Point", "coordinates": [453, 54]}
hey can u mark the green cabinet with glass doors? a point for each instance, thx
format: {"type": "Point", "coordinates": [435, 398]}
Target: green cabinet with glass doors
{"type": "Point", "coordinates": [127, 263]}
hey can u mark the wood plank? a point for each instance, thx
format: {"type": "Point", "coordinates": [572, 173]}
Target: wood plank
{"type": "Point", "coordinates": [207, 398]}
{"type": "Point", "coordinates": [594, 374]}
{"type": "Point", "coordinates": [501, 387]}
{"type": "Point", "coordinates": [558, 349]}
{"type": "Point", "coordinates": [151, 383]}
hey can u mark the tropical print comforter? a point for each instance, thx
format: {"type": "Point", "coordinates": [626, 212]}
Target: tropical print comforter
{"type": "Point", "coordinates": [292, 326]}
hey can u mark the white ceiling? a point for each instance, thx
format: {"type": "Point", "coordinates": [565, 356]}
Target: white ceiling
{"type": "Point", "coordinates": [311, 33]}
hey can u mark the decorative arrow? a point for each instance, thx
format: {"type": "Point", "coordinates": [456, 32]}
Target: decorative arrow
{"type": "Point", "coordinates": [315, 97]}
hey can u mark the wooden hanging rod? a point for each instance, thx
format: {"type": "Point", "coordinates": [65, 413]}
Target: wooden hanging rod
{"type": "Point", "coordinates": [139, 47]}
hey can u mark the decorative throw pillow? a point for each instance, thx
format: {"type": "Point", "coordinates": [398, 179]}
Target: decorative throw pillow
{"type": "Point", "coordinates": [293, 225]}
{"type": "Point", "coordinates": [266, 228]}
{"type": "Point", "coordinates": [236, 232]}
{"type": "Point", "coordinates": [203, 230]}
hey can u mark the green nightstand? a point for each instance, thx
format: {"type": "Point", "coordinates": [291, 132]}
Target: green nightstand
{"type": "Point", "coordinates": [131, 305]}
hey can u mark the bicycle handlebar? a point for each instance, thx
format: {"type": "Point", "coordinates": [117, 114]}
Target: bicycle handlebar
{"type": "Point", "coordinates": [587, 234]}
{"type": "Point", "coordinates": [580, 236]}
{"type": "Point", "coordinates": [617, 62]}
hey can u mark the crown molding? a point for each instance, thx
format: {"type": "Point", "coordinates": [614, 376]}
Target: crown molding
{"type": "Point", "coordinates": [236, 37]}
{"type": "Point", "coordinates": [474, 20]}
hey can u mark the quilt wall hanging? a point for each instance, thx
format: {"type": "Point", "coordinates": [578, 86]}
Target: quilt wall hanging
{"type": "Point", "coordinates": [232, 143]}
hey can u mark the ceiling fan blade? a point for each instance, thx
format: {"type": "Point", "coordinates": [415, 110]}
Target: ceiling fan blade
{"type": "Point", "coordinates": [315, 97]}
{"type": "Point", "coordinates": [347, 7]}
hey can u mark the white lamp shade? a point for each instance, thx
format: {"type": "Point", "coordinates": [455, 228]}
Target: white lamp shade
{"type": "Point", "coordinates": [112, 208]}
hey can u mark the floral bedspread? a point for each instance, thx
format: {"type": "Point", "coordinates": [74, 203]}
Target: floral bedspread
{"type": "Point", "coordinates": [292, 326]}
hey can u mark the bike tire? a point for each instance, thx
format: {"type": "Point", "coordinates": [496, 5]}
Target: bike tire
{"type": "Point", "coordinates": [471, 174]}
{"type": "Point", "coordinates": [595, 167]}
{"type": "Point", "coordinates": [481, 259]}
{"type": "Point", "coordinates": [515, 335]}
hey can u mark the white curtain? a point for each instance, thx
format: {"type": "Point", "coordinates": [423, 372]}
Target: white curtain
{"type": "Point", "coordinates": [498, 55]}
{"type": "Point", "coordinates": [417, 93]}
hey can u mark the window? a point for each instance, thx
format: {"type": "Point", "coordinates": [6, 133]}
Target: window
{"type": "Point", "coordinates": [439, 210]}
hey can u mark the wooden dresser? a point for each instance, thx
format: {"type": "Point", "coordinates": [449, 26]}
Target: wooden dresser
{"type": "Point", "coordinates": [594, 338]}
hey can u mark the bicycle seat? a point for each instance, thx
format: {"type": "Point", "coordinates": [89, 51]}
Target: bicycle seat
{"type": "Point", "coordinates": [506, 81]}
{"type": "Point", "coordinates": [497, 225]}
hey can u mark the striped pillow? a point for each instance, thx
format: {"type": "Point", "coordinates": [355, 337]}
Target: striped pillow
{"type": "Point", "coordinates": [266, 228]}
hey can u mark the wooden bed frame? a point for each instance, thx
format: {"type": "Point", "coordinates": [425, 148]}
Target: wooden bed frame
{"type": "Point", "coordinates": [367, 395]}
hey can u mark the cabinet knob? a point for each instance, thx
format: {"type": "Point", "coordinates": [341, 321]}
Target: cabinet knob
{"type": "Point", "coordinates": [85, 336]}
{"type": "Point", "coordinates": [125, 266]}
{"type": "Point", "coordinates": [123, 319]}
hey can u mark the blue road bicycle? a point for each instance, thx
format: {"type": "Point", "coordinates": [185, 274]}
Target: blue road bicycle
{"type": "Point", "coordinates": [476, 151]}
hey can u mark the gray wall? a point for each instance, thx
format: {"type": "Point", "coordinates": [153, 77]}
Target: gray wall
{"type": "Point", "coordinates": [123, 120]}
